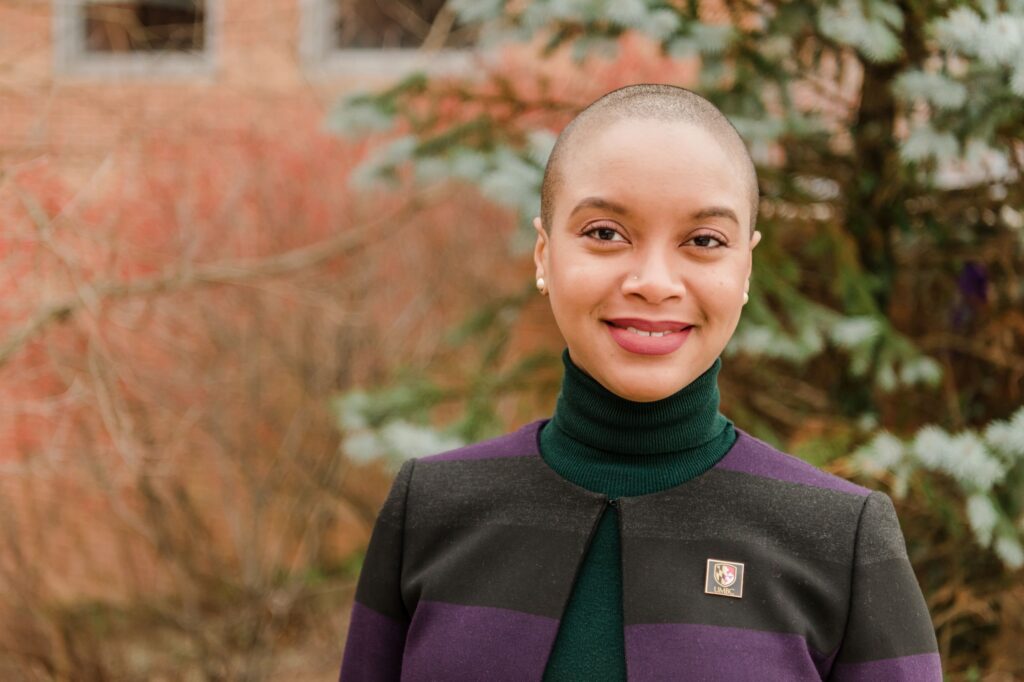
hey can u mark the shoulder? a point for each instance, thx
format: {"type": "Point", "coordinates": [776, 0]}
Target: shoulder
{"type": "Point", "coordinates": [499, 481]}
{"type": "Point", "coordinates": [754, 457]}
{"type": "Point", "coordinates": [488, 468]}
{"type": "Point", "coordinates": [519, 443]}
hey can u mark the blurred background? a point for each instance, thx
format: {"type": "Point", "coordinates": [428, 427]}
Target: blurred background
{"type": "Point", "coordinates": [254, 254]}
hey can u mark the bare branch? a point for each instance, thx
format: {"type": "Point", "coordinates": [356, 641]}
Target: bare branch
{"type": "Point", "coordinates": [213, 274]}
{"type": "Point", "coordinates": [440, 29]}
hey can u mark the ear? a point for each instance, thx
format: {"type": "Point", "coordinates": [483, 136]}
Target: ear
{"type": "Point", "coordinates": [755, 239]}
{"type": "Point", "coordinates": [540, 248]}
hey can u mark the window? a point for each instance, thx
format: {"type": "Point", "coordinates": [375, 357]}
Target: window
{"type": "Point", "coordinates": [397, 24]}
{"type": "Point", "coordinates": [160, 25]}
{"type": "Point", "coordinates": [383, 35]}
{"type": "Point", "coordinates": [133, 36]}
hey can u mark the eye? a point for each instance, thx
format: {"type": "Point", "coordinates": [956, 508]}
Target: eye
{"type": "Point", "coordinates": [707, 241]}
{"type": "Point", "coordinates": [604, 233]}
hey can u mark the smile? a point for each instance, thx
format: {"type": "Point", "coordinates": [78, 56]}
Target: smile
{"type": "Point", "coordinates": [643, 333]}
{"type": "Point", "coordinates": [648, 337]}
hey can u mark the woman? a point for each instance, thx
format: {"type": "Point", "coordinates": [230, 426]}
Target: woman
{"type": "Point", "coordinates": [638, 533]}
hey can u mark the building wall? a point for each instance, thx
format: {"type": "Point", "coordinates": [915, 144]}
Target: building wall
{"type": "Point", "coordinates": [259, 81]}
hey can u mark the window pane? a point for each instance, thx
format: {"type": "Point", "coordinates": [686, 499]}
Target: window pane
{"type": "Point", "coordinates": [398, 24]}
{"type": "Point", "coordinates": [144, 26]}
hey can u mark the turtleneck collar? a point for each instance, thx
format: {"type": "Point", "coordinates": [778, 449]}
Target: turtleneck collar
{"type": "Point", "coordinates": [591, 414]}
{"type": "Point", "coordinates": [615, 446]}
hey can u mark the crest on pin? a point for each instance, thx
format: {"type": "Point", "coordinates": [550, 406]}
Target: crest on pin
{"type": "Point", "coordinates": [724, 578]}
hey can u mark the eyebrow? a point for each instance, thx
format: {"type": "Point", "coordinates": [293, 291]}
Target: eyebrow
{"type": "Point", "coordinates": [716, 212]}
{"type": "Point", "coordinates": [608, 205]}
{"type": "Point", "coordinates": [598, 202]}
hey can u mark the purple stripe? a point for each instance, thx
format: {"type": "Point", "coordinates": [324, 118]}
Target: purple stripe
{"type": "Point", "coordinates": [753, 456]}
{"type": "Point", "coordinates": [521, 443]}
{"type": "Point", "coordinates": [673, 651]}
{"type": "Point", "coordinates": [374, 648]}
{"type": "Point", "coordinates": [453, 642]}
{"type": "Point", "coordinates": [919, 668]}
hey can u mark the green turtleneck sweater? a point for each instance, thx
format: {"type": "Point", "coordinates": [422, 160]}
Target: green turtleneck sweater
{"type": "Point", "coordinates": [621, 448]}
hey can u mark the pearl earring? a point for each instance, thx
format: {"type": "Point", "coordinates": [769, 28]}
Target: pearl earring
{"type": "Point", "coordinates": [541, 286]}
{"type": "Point", "coordinates": [746, 298]}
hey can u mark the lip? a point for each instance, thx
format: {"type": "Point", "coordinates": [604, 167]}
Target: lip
{"type": "Point", "coordinates": [648, 325]}
{"type": "Point", "coordinates": [648, 345]}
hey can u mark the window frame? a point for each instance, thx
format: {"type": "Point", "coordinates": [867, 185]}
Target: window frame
{"type": "Point", "coordinates": [320, 58]}
{"type": "Point", "coordinates": [72, 58]}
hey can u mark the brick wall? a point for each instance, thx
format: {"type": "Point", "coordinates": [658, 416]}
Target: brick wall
{"type": "Point", "coordinates": [258, 82]}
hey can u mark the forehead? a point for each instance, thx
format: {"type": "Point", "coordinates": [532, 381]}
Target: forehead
{"type": "Point", "coordinates": [652, 163]}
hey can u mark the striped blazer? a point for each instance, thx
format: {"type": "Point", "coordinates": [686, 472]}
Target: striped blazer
{"type": "Point", "coordinates": [763, 568]}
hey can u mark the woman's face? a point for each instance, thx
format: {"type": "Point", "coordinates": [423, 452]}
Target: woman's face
{"type": "Point", "coordinates": [648, 256]}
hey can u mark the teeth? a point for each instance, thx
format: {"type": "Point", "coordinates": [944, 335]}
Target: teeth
{"type": "Point", "coordinates": [643, 333]}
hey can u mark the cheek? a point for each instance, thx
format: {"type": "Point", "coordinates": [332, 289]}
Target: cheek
{"type": "Point", "coordinates": [576, 280]}
{"type": "Point", "coordinates": [567, 304]}
{"type": "Point", "coordinates": [728, 286]}
{"type": "Point", "coordinates": [730, 275]}
{"type": "Point", "coordinates": [722, 291]}
{"type": "Point", "coordinates": [572, 267]}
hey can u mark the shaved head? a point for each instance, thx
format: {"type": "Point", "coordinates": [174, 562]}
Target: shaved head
{"type": "Point", "coordinates": [646, 102]}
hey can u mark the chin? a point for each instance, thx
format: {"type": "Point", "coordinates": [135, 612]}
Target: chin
{"type": "Point", "coordinates": [643, 391]}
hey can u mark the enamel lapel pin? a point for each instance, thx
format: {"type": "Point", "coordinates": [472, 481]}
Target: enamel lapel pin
{"type": "Point", "coordinates": [724, 578]}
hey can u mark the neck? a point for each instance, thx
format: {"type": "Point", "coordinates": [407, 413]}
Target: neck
{"type": "Point", "coordinates": [616, 446]}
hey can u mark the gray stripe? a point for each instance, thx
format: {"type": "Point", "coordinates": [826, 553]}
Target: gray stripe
{"type": "Point", "coordinates": [789, 518]}
{"type": "Point", "coordinates": [505, 532]}
{"type": "Point", "coordinates": [511, 491]}
{"type": "Point", "coordinates": [888, 616]}
{"type": "Point", "coordinates": [526, 569]}
{"type": "Point", "coordinates": [379, 578]}
{"type": "Point", "coordinates": [883, 539]}
{"type": "Point", "coordinates": [663, 581]}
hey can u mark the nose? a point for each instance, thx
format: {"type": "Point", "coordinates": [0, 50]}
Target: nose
{"type": "Point", "coordinates": [655, 277]}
